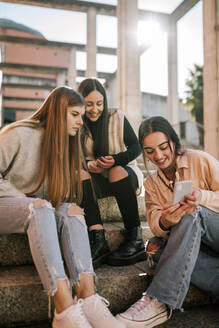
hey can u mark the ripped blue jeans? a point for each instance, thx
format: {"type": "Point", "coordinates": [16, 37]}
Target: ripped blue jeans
{"type": "Point", "coordinates": [52, 234]}
{"type": "Point", "coordinates": [183, 261]}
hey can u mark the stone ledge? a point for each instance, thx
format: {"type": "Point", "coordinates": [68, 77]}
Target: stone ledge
{"type": "Point", "coordinates": [195, 296]}
{"type": "Point", "coordinates": [14, 248]}
{"type": "Point", "coordinates": [110, 212]}
{"type": "Point", "coordinates": [204, 316]}
{"type": "Point", "coordinates": [22, 298]}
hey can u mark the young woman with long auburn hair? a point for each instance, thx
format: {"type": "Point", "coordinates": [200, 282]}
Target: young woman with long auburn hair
{"type": "Point", "coordinates": [40, 193]}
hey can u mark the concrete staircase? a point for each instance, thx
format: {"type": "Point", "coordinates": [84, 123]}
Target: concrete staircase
{"type": "Point", "coordinates": [23, 303]}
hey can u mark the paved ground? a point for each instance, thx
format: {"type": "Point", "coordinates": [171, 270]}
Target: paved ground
{"type": "Point", "coordinates": [195, 317]}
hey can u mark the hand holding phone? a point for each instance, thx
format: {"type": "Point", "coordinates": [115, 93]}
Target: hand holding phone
{"type": "Point", "coordinates": [105, 161]}
{"type": "Point", "coordinates": [181, 189]}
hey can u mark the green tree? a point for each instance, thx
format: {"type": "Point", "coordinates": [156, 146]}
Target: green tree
{"type": "Point", "coordinates": [194, 98]}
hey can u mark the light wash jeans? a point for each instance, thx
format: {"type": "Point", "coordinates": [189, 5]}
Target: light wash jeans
{"type": "Point", "coordinates": [182, 260]}
{"type": "Point", "coordinates": [51, 233]}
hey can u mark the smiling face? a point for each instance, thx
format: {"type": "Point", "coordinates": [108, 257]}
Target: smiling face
{"type": "Point", "coordinates": [94, 105]}
{"type": "Point", "coordinates": [157, 150]}
{"type": "Point", "coordinates": [74, 119]}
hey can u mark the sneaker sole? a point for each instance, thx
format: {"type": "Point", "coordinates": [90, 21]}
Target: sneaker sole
{"type": "Point", "coordinates": [141, 256]}
{"type": "Point", "coordinates": [150, 323]}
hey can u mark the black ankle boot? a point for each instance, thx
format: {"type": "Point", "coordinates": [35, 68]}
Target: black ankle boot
{"type": "Point", "coordinates": [132, 250]}
{"type": "Point", "coordinates": [99, 247]}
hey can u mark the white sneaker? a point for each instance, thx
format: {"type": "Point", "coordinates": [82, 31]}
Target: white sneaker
{"type": "Point", "coordinates": [146, 312]}
{"type": "Point", "coordinates": [97, 313]}
{"type": "Point", "coordinates": [72, 317]}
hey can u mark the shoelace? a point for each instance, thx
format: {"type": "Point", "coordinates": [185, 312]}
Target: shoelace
{"type": "Point", "coordinates": [141, 304]}
{"type": "Point", "coordinates": [105, 304]}
{"type": "Point", "coordinates": [138, 306]}
{"type": "Point", "coordinates": [81, 319]}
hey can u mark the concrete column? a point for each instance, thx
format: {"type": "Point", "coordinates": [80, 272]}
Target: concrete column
{"type": "Point", "coordinates": [72, 72]}
{"type": "Point", "coordinates": [172, 99]}
{"type": "Point", "coordinates": [61, 78]}
{"type": "Point", "coordinates": [91, 43]}
{"type": "Point", "coordinates": [210, 76]}
{"type": "Point", "coordinates": [128, 72]}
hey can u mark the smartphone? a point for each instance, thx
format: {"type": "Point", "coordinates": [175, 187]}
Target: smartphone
{"type": "Point", "coordinates": [181, 189]}
{"type": "Point", "coordinates": [100, 158]}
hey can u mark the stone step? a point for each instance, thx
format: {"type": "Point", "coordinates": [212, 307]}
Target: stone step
{"type": "Point", "coordinates": [150, 167]}
{"type": "Point", "coordinates": [22, 298]}
{"type": "Point", "coordinates": [23, 301]}
{"type": "Point", "coordinates": [20, 285]}
{"type": "Point", "coordinates": [14, 248]}
{"type": "Point", "coordinates": [110, 212]}
{"type": "Point", "coordinates": [194, 317]}
{"type": "Point", "coordinates": [206, 316]}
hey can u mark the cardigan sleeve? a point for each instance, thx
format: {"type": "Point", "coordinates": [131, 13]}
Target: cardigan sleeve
{"type": "Point", "coordinates": [210, 195]}
{"type": "Point", "coordinates": [9, 150]}
{"type": "Point", "coordinates": [132, 145]}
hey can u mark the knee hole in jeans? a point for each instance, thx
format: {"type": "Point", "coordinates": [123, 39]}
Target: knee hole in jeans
{"type": "Point", "coordinates": [40, 202]}
{"type": "Point", "coordinates": [75, 210]}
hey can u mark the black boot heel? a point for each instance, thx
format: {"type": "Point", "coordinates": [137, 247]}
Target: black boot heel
{"type": "Point", "coordinates": [131, 251]}
{"type": "Point", "coordinates": [99, 247]}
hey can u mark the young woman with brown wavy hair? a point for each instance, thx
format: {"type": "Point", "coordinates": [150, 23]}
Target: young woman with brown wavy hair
{"type": "Point", "coordinates": [40, 194]}
{"type": "Point", "coordinates": [185, 246]}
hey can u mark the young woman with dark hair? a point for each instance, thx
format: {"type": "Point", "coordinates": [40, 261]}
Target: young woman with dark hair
{"type": "Point", "coordinates": [40, 193]}
{"type": "Point", "coordinates": [111, 147]}
{"type": "Point", "coordinates": [187, 232]}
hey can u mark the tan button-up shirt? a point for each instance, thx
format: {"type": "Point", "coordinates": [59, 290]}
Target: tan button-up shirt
{"type": "Point", "coordinates": [195, 165]}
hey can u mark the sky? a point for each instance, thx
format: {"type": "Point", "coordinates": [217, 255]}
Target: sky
{"type": "Point", "coordinates": [68, 26]}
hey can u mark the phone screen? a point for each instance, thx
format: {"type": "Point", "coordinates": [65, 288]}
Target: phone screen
{"type": "Point", "coordinates": [181, 189]}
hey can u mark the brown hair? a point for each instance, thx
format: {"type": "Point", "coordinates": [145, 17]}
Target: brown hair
{"type": "Point", "coordinates": [61, 154]}
{"type": "Point", "coordinates": [101, 144]}
{"type": "Point", "coordinates": [159, 124]}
